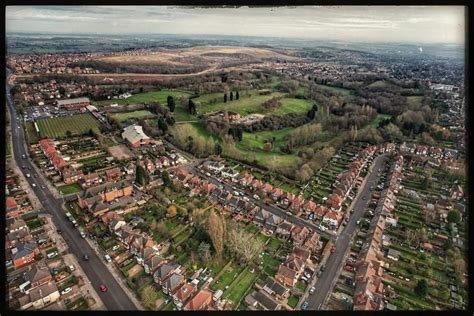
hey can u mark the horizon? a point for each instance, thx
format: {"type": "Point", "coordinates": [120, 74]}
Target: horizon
{"type": "Point", "coordinates": [369, 24]}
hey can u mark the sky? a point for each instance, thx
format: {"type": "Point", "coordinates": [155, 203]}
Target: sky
{"type": "Point", "coordinates": [410, 24]}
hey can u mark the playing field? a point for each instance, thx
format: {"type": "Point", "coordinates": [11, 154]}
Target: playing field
{"type": "Point", "coordinates": [57, 127]}
{"type": "Point", "coordinates": [135, 114]}
{"type": "Point", "coordinates": [149, 97]}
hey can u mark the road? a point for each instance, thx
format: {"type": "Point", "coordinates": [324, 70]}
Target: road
{"type": "Point", "coordinates": [270, 208]}
{"type": "Point", "coordinates": [115, 298]}
{"type": "Point", "coordinates": [335, 261]}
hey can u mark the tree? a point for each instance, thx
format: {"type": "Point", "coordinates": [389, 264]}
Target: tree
{"type": "Point", "coordinates": [171, 103]}
{"type": "Point", "coordinates": [237, 95]}
{"type": "Point", "coordinates": [68, 133]}
{"type": "Point", "coordinates": [225, 97]}
{"type": "Point", "coordinates": [231, 96]}
{"type": "Point", "coordinates": [216, 228]}
{"type": "Point", "coordinates": [218, 149]}
{"type": "Point", "coordinates": [171, 211]}
{"type": "Point", "coordinates": [163, 230]}
{"type": "Point", "coordinates": [191, 107]}
{"type": "Point", "coordinates": [421, 288]}
{"type": "Point", "coordinates": [268, 146]}
{"type": "Point", "coordinates": [454, 216]}
{"type": "Point", "coordinates": [204, 251]}
{"type": "Point", "coordinates": [141, 175]}
{"type": "Point", "coordinates": [311, 114]}
{"type": "Point", "coordinates": [162, 124]}
{"type": "Point", "coordinates": [243, 245]}
{"type": "Point", "coordinates": [166, 178]}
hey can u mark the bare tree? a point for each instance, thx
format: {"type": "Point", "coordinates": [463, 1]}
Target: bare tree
{"type": "Point", "coordinates": [216, 228]}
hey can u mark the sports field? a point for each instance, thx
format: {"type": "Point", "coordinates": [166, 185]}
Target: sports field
{"type": "Point", "coordinates": [57, 127]}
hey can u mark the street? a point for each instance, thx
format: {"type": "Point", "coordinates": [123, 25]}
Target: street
{"type": "Point", "coordinates": [115, 298]}
{"type": "Point", "coordinates": [335, 261]}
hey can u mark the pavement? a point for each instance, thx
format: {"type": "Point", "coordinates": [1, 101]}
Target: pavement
{"type": "Point", "coordinates": [115, 298]}
{"type": "Point", "coordinates": [335, 261]}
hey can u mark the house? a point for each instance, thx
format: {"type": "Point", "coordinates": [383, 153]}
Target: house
{"type": "Point", "coordinates": [272, 222]}
{"type": "Point", "coordinates": [153, 263]}
{"type": "Point", "coordinates": [245, 179]}
{"type": "Point", "coordinates": [70, 175]}
{"type": "Point", "coordinates": [319, 212]}
{"type": "Point", "coordinates": [201, 301]}
{"type": "Point", "coordinates": [299, 235]}
{"type": "Point", "coordinates": [256, 185]}
{"type": "Point", "coordinates": [286, 276]}
{"type": "Point", "coordinates": [172, 283]}
{"type": "Point", "coordinates": [296, 204]}
{"type": "Point", "coordinates": [334, 201]}
{"type": "Point", "coordinates": [17, 225]}
{"type": "Point", "coordinates": [261, 301]}
{"type": "Point", "coordinates": [165, 271]}
{"type": "Point", "coordinates": [427, 247]}
{"type": "Point", "coordinates": [24, 254]}
{"type": "Point", "coordinates": [312, 242]}
{"type": "Point", "coordinates": [260, 217]}
{"type": "Point", "coordinates": [286, 199]}
{"type": "Point", "coordinates": [113, 174]}
{"type": "Point", "coordinates": [130, 168]}
{"type": "Point", "coordinates": [89, 180]}
{"type": "Point", "coordinates": [309, 206]}
{"type": "Point", "coordinates": [12, 208]}
{"type": "Point", "coordinates": [332, 218]}
{"type": "Point", "coordinates": [18, 236]}
{"type": "Point", "coordinates": [393, 254]}
{"type": "Point", "coordinates": [457, 192]}
{"type": "Point", "coordinates": [276, 289]}
{"type": "Point", "coordinates": [267, 189]}
{"type": "Point", "coordinates": [284, 230]}
{"type": "Point", "coordinates": [276, 194]}
{"type": "Point", "coordinates": [36, 276]}
{"type": "Point", "coordinates": [135, 136]}
{"type": "Point", "coordinates": [40, 297]}
{"type": "Point", "coordinates": [109, 216]}
{"type": "Point", "coordinates": [181, 296]}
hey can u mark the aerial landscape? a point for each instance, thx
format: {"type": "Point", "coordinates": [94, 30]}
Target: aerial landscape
{"type": "Point", "coordinates": [164, 159]}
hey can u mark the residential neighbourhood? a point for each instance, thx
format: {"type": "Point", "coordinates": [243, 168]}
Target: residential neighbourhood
{"type": "Point", "coordinates": [165, 173]}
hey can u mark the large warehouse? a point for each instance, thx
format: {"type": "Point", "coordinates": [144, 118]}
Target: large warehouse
{"type": "Point", "coordinates": [74, 103]}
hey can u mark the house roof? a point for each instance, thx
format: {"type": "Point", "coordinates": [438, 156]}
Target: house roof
{"type": "Point", "coordinates": [10, 202]}
{"type": "Point", "coordinates": [184, 292]}
{"type": "Point", "coordinates": [173, 281]}
{"type": "Point", "coordinates": [24, 249]}
{"type": "Point", "coordinates": [197, 302]}
{"type": "Point", "coordinates": [43, 291]}
{"type": "Point", "coordinates": [286, 272]}
{"type": "Point", "coordinates": [266, 301]}
{"type": "Point", "coordinates": [35, 274]}
{"type": "Point", "coordinates": [73, 101]}
{"type": "Point", "coordinates": [134, 133]}
{"type": "Point", "coordinates": [275, 286]}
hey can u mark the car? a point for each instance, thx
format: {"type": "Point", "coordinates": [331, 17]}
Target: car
{"type": "Point", "coordinates": [349, 268]}
{"type": "Point", "coordinates": [85, 257]}
{"type": "Point", "coordinates": [115, 247]}
{"type": "Point", "coordinates": [72, 268]}
{"type": "Point", "coordinates": [28, 175]}
{"type": "Point", "coordinates": [23, 156]}
{"type": "Point", "coordinates": [304, 279]}
{"type": "Point", "coordinates": [52, 254]}
{"type": "Point", "coordinates": [102, 288]}
{"type": "Point", "coordinates": [59, 231]}
{"type": "Point", "coordinates": [333, 249]}
{"type": "Point", "coordinates": [364, 197]}
{"type": "Point", "coordinates": [33, 185]}
{"type": "Point", "coordinates": [66, 290]}
{"type": "Point", "coordinates": [107, 257]}
{"type": "Point", "coordinates": [307, 275]}
{"type": "Point", "coordinates": [311, 290]}
{"type": "Point", "coordinates": [304, 306]}
{"type": "Point", "coordinates": [23, 167]}
{"type": "Point", "coordinates": [323, 268]}
{"type": "Point", "coordinates": [43, 187]}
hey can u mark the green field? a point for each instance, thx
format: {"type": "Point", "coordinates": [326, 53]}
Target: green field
{"type": "Point", "coordinates": [414, 101]}
{"type": "Point", "coordinates": [70, 188]}
{"type": "Point", "coordinates": [135, 114]}
{"type": "Point", "coordinates": [256, 141]}
{"type": "Point", "coordinates": [57, 127]}
{"type": "Point", "coordinates": [341, 91]}
{"type": "Point", "coordinates": [31, 135]}
{"type": "Point", "coordinates": [290, 105]}
{"type": "Point", "coordinates": [246, 104]}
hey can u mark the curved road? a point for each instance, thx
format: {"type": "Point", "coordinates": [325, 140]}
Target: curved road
{"type": "Point", "coordinates": [115, 298]}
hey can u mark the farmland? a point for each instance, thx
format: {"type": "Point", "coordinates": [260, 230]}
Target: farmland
{"type": "Point", "coordinates": [59, 126]}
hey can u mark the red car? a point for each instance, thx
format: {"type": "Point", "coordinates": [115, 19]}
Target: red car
{"type": "Point", "coordinates": [349, 268]}
{"type": "Point", "coordinates": [333, 249]}
{"type": "Point", "coordinates": [103, 288]}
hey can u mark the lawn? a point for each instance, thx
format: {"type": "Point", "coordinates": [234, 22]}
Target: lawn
{"type": "Point", "coordinates": [274, 244]}
{"type": "Point", "coordinates": [293, 301]}
{"type": "Point", "coordinates": [134, 114]}
{"type": "Point", "coordinates": [149, 97]}
{"type": "Point", "coordinates": [291, 105]}
{"type": "Point", "coordinates": [341, 91]}
{"type": "Point", "coordinates": [240, 287]}
{"type": "Point", "coordinates": [246, 104]}
{"type": "Point", "coordinates": [256, 141]}
{"type": "Point", "coordinates": [226, 278]}
{"type": "Point", "coordinates": [69, 188]}
{"type": "Point", "coordinates": [57, 127]}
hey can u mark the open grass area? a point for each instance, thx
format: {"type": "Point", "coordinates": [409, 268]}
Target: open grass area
{"type": "Point", "coordinates": [149, 97]}
{"type": "Point", "coordinates": [291, 105]}
{"type": "Point", "coordinates": [293, 301]}
{"type": "Point", "coordinates": [227, 278]}
{"type": "Point", "coordinates": [70, 188]}
{"type": "Point", "coordinates": [31, 135]}
{"type": "Point", "coordinates": [341, 91]}
{"type": "Point", "coordinates": [256, 141]}
{"type": "Point", "coordinates": [135, 114]}
{"type": "Point", "coordinates": [57, 127]}
{"type": "Point", "coordinates": [247, 103]}
{"type": "Point", "coordinates": [414, 101]}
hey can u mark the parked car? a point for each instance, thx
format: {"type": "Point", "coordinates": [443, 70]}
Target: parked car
{"type": "Point", "coordinates": [333, 249]}
{"type": "Point", "coordinates": [304, 306]}
{"type": "Point", "coordinates": [52, 254]}
{"type": "Point", "coordinates": [85, 257]}
{"type": "Point", "coordinates": [311, 290]}
{"type": "Point", "coordinates": [103, 288]}
{"type": "Point", "coordinates": [349, 268]}
{"type": "Point", "coordinates": [115, 247]}
{"type": "Point", "coordinates": [28, 175]}
{"type": "Point", "coordinates": [107, 257]}
{"type": "Point", "coordinates": [66, 290]}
